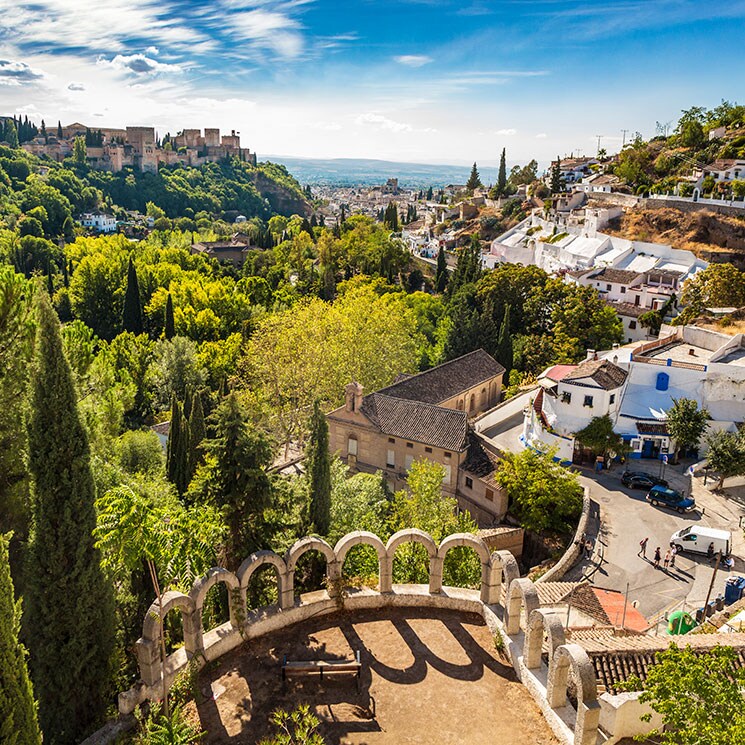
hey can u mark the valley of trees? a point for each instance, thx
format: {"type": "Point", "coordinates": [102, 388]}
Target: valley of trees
{"type": "Point", "coordinates": [101, 338]}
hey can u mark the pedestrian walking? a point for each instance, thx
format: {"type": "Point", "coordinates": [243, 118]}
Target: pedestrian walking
{"type": "Point", "coordinates": [657, 557]}
{"type": "Point", "coordinates": [666, 560]}
{"type": "Point", "coordinates": [643, 547]}
{"type": "Point", "coordinates": [588, 549]}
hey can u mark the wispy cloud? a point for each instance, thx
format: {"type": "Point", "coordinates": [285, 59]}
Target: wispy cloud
{"type": "Point", "coordinates": [139, 64]}
{"type": "Point", "coordinates": [413, 60]}
{"type": "Point", "coordinates": [383, 122]}
{"type": "Point", "coordinates": [76, 87]}
{"type": "Point", "coordinates": [13, 72]}
{"type": "Point", "coordinates": [541, 136]}
{"type": "Point", "coordinates": [506, 132]}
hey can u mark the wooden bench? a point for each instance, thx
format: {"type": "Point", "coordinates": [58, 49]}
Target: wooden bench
{"type": "Point", "coordinates": [328, 667]}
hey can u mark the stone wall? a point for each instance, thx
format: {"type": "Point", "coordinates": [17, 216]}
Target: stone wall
{"type": "Point", "coordinates": [508, 604]}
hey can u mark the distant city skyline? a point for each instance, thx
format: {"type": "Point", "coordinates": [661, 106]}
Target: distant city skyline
{"type": "Point", "coordinates": [421, 81]}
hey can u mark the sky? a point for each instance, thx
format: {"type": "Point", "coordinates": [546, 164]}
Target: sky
{"type": "Point", "coordinates": [428, 81]}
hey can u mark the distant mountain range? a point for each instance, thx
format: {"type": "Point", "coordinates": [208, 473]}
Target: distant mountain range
{"type": "Point", "coordinates": [353, 171]}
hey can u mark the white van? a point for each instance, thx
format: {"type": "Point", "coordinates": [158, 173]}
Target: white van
{"type": "Point", "coordinates": [698, 538]}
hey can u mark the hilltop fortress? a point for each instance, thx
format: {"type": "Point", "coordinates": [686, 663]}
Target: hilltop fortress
{"type": "Point", "coordinates": [139, 147]}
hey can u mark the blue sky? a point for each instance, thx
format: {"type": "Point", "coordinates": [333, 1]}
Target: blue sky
{"type": "Point", "coordinates": [418, 80]}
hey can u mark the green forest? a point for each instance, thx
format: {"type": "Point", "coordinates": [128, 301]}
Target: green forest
{"type": "Point", "coordinates": [103, 337]}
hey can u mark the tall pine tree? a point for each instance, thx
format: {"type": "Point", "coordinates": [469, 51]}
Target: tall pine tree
{"type": "Point", "coordinates": [132, 314]}
{"type": "Point", "coordinates": [474, 180]}
{"type": "Point", "coordinates": [18, 722]}
{"type": "Point", "coordinates": [468, 266]}
{"type": "Point", "coordinates": [441, 277]}
{"type": "Point", "coordinates": [318, 468]}
{"type": "Point", "coordinates": [170, 326]}
{"type": "Point", "coordinates": [463, 324]}
{"type": "Point", "coordinates": [502, 175]}
{"type": "Point", "coordinates": [69, 614]}
{"type": "Point", "coordinates": [504, 344]}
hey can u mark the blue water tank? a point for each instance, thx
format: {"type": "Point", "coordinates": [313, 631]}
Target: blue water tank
{"type": "Point", "coordinates": [663, 381]}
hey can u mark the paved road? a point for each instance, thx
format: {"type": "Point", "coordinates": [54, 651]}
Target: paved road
{"type": "Point", "coordinates": [626, 518]}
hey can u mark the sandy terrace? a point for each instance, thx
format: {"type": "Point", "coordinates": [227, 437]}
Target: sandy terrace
{"type": "Point", "coordinates": [427, 677]}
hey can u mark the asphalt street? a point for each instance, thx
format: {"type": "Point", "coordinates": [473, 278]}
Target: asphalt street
{"type": "Point", "coordinates": [627, 518]}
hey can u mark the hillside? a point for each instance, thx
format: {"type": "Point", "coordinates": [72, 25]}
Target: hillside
{"type": "Point", "coordinates": [712, 237]}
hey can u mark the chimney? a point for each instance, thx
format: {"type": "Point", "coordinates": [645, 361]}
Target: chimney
{"type": "Point", "coordinates": [590, 355]}
{"type": "Point", "coordinates": [615, 346]}
{"type": "Point", "coordinates": [353, 396]}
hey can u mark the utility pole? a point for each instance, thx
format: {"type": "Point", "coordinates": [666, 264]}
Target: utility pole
{"type": "Point", "coordinates": [624, 131]}
{"type": "Point", "coordinates": [711, 584]}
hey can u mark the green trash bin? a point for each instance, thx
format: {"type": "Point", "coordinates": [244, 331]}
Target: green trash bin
{"type": "Point", "coordinates": [680, 622]}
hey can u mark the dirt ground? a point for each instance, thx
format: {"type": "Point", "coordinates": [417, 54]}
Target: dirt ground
{"type": "Point", "coordinates": [427, 677]}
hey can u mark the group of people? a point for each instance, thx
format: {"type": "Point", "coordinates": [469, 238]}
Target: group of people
{"type": "Point", "coordinates": [670, 554]}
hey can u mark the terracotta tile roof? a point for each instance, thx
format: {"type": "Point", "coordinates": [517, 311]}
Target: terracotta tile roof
{"type": "Point", "coordinates": [553, 593]}
{"type": "Point", "coordinates": [558, 372]}
{"type": "Point", "coordinates": [602, 372]}
{"type": "Point", "coordinates": [448, 380]}
{"type": "Point", "coordinates": [619, 276]}
{"type": "Point", "coordinates": [607, 606]}
{"type": "Point", "coordinates": [414, 420]}
{"type": "Point", "coordinates": [628, 309]}
{"type": "Point", "coordinates": [620, 658]}
{"type": "Point", "coordinates": [162, 428]}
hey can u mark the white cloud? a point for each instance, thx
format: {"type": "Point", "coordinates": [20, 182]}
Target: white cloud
{"type": "Point", "coordinates": [139, 64]}
{"type": "Point", "coordinates": [506, 132]}
{"type": "Point", "coordinates": [13, 72]}
{"type": "Point", "coordinates": [413, 60]}
{"type": "Point", "coordinates": [541, 136]}
{"type": "Point", "coordinates": [270, 29]}
{"type": "Point", "coordinates": [383, 122]}
{"type": "Point", "coordinates": [76, 87]}
{"type": "Point", "coordinates": [152, 51]}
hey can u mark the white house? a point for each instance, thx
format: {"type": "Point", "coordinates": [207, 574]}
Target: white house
{"type": "Point", "coordinates": [99, 221]}
{"type": "Point", "coordinates": [723, 170]}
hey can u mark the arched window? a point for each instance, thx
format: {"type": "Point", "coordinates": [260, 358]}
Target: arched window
{"type": "Point", "coordinates": [483, 396]}
{"type": "Point", "coordinates": [352, 445]}
{"type": "Point", "coordinates": [472, 402]}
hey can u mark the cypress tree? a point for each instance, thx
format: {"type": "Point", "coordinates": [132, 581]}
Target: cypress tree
{"type": "Point", "coordinates": [556, 176]}
{"type": "Point", "coordinates": [441, 277]}
{"type": "Point", "coordinates": [502, 176]}
{"type": "Point", "coordinates": [174, 432]}
{"type": "Point", "coordinates": [50, 280]}
{"type": "Point", "coordinates": [468, 267]}
{"type": "Point", "coordinates": [182, 475]}
{"type": "Point", "coordinates": [504, 344]}
{"type": "Point", "coordinates": [197, 433]}
{"type": "Point", "coordinates": [463, 331]}
{"type": "Point", "coordinates": [69, 617]}
{"type": "Point", "coordinates": [187, 402]}
{"type": "Point", "coordinates": [18, 723]}
{"type": "Point", "coordinates": [132, 313]}
{"type": "Point", "coordinates": [170, 328]}
{"type": "Point", "coordinates": [59, 129]}
{"type": "Point", "coordinates": [318, 468]}
{"type": "Point", "coordinates": [489, 328]}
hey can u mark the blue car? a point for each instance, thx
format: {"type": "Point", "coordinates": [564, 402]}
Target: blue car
{"type": "Point", "coordinates": [663, 496]}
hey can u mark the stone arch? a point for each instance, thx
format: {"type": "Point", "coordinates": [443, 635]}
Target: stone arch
{"type": "Point", "coordinates": [199, 591]}
{"type": "Point", "coordinates": [147, 647]}
{"type": "Point", "coordinates": [365, 538]}
{"type": "Point", "coordinates": [472, 402]}
{"type": "Point", "coordinates": [414, 535]}
{"type": "Point", "coordinates": [478, 545]}
{"type": "Point", "coordinates": [572, 656]}
{"type": "Point", "coordinates": [313, 543]}
{"type": "Point", "coordinates": [459, 405]}
{"type": "Point", "coordinates": [504, 570]}
{"type": "Point", "coordinates": [541, 621]}
{"type": "Point", "coordinates": [483, 397]}
{"type": "Point", "coordinates": [259, 559]}
{"type": "Point", "coordinates": [521, 592]}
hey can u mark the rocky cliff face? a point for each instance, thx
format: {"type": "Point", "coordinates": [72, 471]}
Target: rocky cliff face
{"type": "Point", "coordinates": [282, 200]}
{"type": "Point", "coordinates": [712, 237]}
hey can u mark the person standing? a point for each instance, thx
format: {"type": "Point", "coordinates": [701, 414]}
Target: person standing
{"type": "Point", "coordinates": [673, 554]}
{"type": "Point", "coordinates": [643, 547]}
{"type": "Point", "coordinates": [666, 560]}
{"type": "Point", "coordinates": [657, 557]}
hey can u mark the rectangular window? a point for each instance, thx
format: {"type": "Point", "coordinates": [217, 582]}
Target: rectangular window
{"type": "Point", "coordinates": [469, 482]}
{"type": "Point", "coordinates": [588, 401]}
{"type": "Point", "coordinates": [352, 446]}
{"type": "Point", "coordinates": [566, 397]}
{"type": "Point", "coordinates": [447, 455]}
{"type": "Point", "coordinates": [490, 494]}
{"type": "Point", "coordinates": [391, 440]}
{"type": "Point", "coordinates": [448, 474]}
{"type": "Point", "coordinates": [623, 290]}
{"type": "Point", "coordinates": [390, 459]}
{"type": "Point", "coordinates": [612, 398]}
{"type": "Point", "coordinates": [409, 460]}
{"type": "Point", "coordinates": [607, 287]}
{"type": "Point", "coordinates": [409, 444]}
{"type": "Point", "coordinates": [427, 450]}
{"type": "Point", "coordinates": [632, 324]}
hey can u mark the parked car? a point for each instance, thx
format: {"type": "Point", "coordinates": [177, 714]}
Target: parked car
{"type": "Point", "coordinates": [641, 480]}
{"type": "Point", "coordinates": [698, 538]}
{"type": "Point", "coordinates": [666, 497]}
